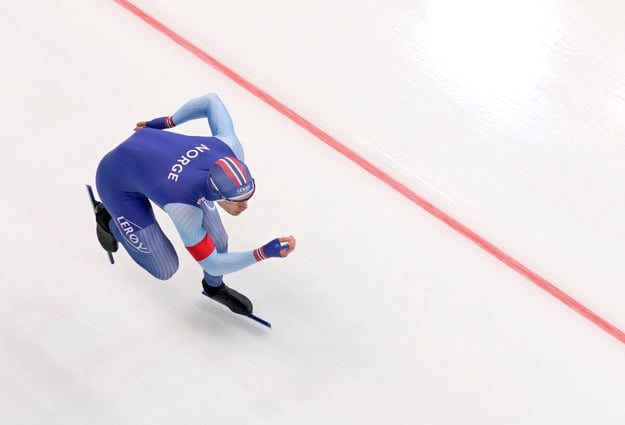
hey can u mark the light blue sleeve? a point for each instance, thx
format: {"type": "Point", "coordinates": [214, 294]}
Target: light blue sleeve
{"type": "Point", "coordinates": [218, 264]}
{"type": "Point", "coordinates": [212, 108]}
{"type": "Point", "coordinates": [188, 222]}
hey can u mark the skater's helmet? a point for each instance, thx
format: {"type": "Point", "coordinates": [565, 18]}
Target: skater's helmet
{"type": "Point", "coordinates": [230, 180]}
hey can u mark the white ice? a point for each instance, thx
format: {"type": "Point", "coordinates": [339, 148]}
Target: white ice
{"type": "Point", "coordinates": [508, 115]}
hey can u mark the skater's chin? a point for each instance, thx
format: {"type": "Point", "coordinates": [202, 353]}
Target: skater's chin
{"type": "Point", "coordinates": [233, 208]}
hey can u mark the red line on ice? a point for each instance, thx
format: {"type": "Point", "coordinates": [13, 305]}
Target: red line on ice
{"type": "Point", "coordinates": [377, 172]}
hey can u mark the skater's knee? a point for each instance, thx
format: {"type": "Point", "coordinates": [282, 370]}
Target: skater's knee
{"type": "Point", "coordinates": [163, 269]}
{"type": "Point", "coordinates": [165, 274]}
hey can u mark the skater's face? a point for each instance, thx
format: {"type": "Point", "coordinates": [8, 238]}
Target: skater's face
{"type": "Point", "coordinates": [233, 208]}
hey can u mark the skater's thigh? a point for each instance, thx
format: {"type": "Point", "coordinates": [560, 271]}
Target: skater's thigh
{"type": "Point", "coordinates": [148, 247]}
{"type": "Point", "coordinates": [133, 224]}
{"type": "Point", "coordinates": [128, 209]}
{"type": "Point", "coordinates": [211, 222]}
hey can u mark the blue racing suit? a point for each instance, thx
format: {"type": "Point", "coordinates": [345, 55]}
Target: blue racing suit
{"type": "Point", "coordinates": [170, 170]}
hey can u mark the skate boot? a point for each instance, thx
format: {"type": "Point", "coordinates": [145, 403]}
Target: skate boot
{"type": "Point", "coordinates": [236, 302]}
{"type": "Point", "coordinates": [102, 218]}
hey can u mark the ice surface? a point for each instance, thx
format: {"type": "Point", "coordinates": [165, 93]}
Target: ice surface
{"type": "Point", "coordinates": [508, 115]}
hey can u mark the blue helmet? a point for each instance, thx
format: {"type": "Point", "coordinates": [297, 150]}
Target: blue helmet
{"type": "Point", "coordinates": [230, 180]}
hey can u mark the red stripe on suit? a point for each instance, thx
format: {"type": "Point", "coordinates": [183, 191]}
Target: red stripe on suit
{"type": "Point", "coordinates": [202, 249]}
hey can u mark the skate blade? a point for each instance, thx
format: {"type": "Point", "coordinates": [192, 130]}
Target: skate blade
{"type": "Point", "coordinates": [251, 316]}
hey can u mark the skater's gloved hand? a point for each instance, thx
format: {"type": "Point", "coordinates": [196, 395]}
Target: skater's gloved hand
{"type": "Point", "coordinates": [279, 247]}
{"type": "Point", "coordinates": [157, 123]}
{"type": "Point", "coordinates": [140, 125]}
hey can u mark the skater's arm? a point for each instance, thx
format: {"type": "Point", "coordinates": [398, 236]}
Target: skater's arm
{"type": "Point", "coordinates": [208, 106]}
{"type": "Point", "coordinates": [213, 109]}
{"type": "Point", "coordinates": [218, 264]}
{"type": "Point", "coordinates": [188, 222]}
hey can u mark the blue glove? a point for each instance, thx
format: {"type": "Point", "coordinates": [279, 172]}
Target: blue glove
{"type": "Point", "coordinates": [271, 249]}
{"type": "Point", "coordinates": [161, 123]}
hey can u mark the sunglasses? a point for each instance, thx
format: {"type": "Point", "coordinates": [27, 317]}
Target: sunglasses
{"type": "Point", "coordinates": [232, 195]}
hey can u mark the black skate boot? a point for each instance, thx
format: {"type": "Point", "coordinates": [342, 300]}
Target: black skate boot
{"type": "Point", "coordinates": [105, 237]}
{"type": "Point", "coordinates": [236, 302]}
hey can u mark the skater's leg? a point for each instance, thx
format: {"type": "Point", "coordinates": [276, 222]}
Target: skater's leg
{"type": "Point", "coordinates": [134, 226]}
{"type": "Point", "coordinates": [132, 220]}
{"type": "Point", "coordinates": [214, 227]}
{"type": "Point", "coordinates": [214, 287]}
{"type": "Point", "coordinates": [148, 247]}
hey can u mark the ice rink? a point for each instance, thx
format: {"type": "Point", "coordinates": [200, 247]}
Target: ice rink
{"type": "Point", "coordinates": [507, 116]}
